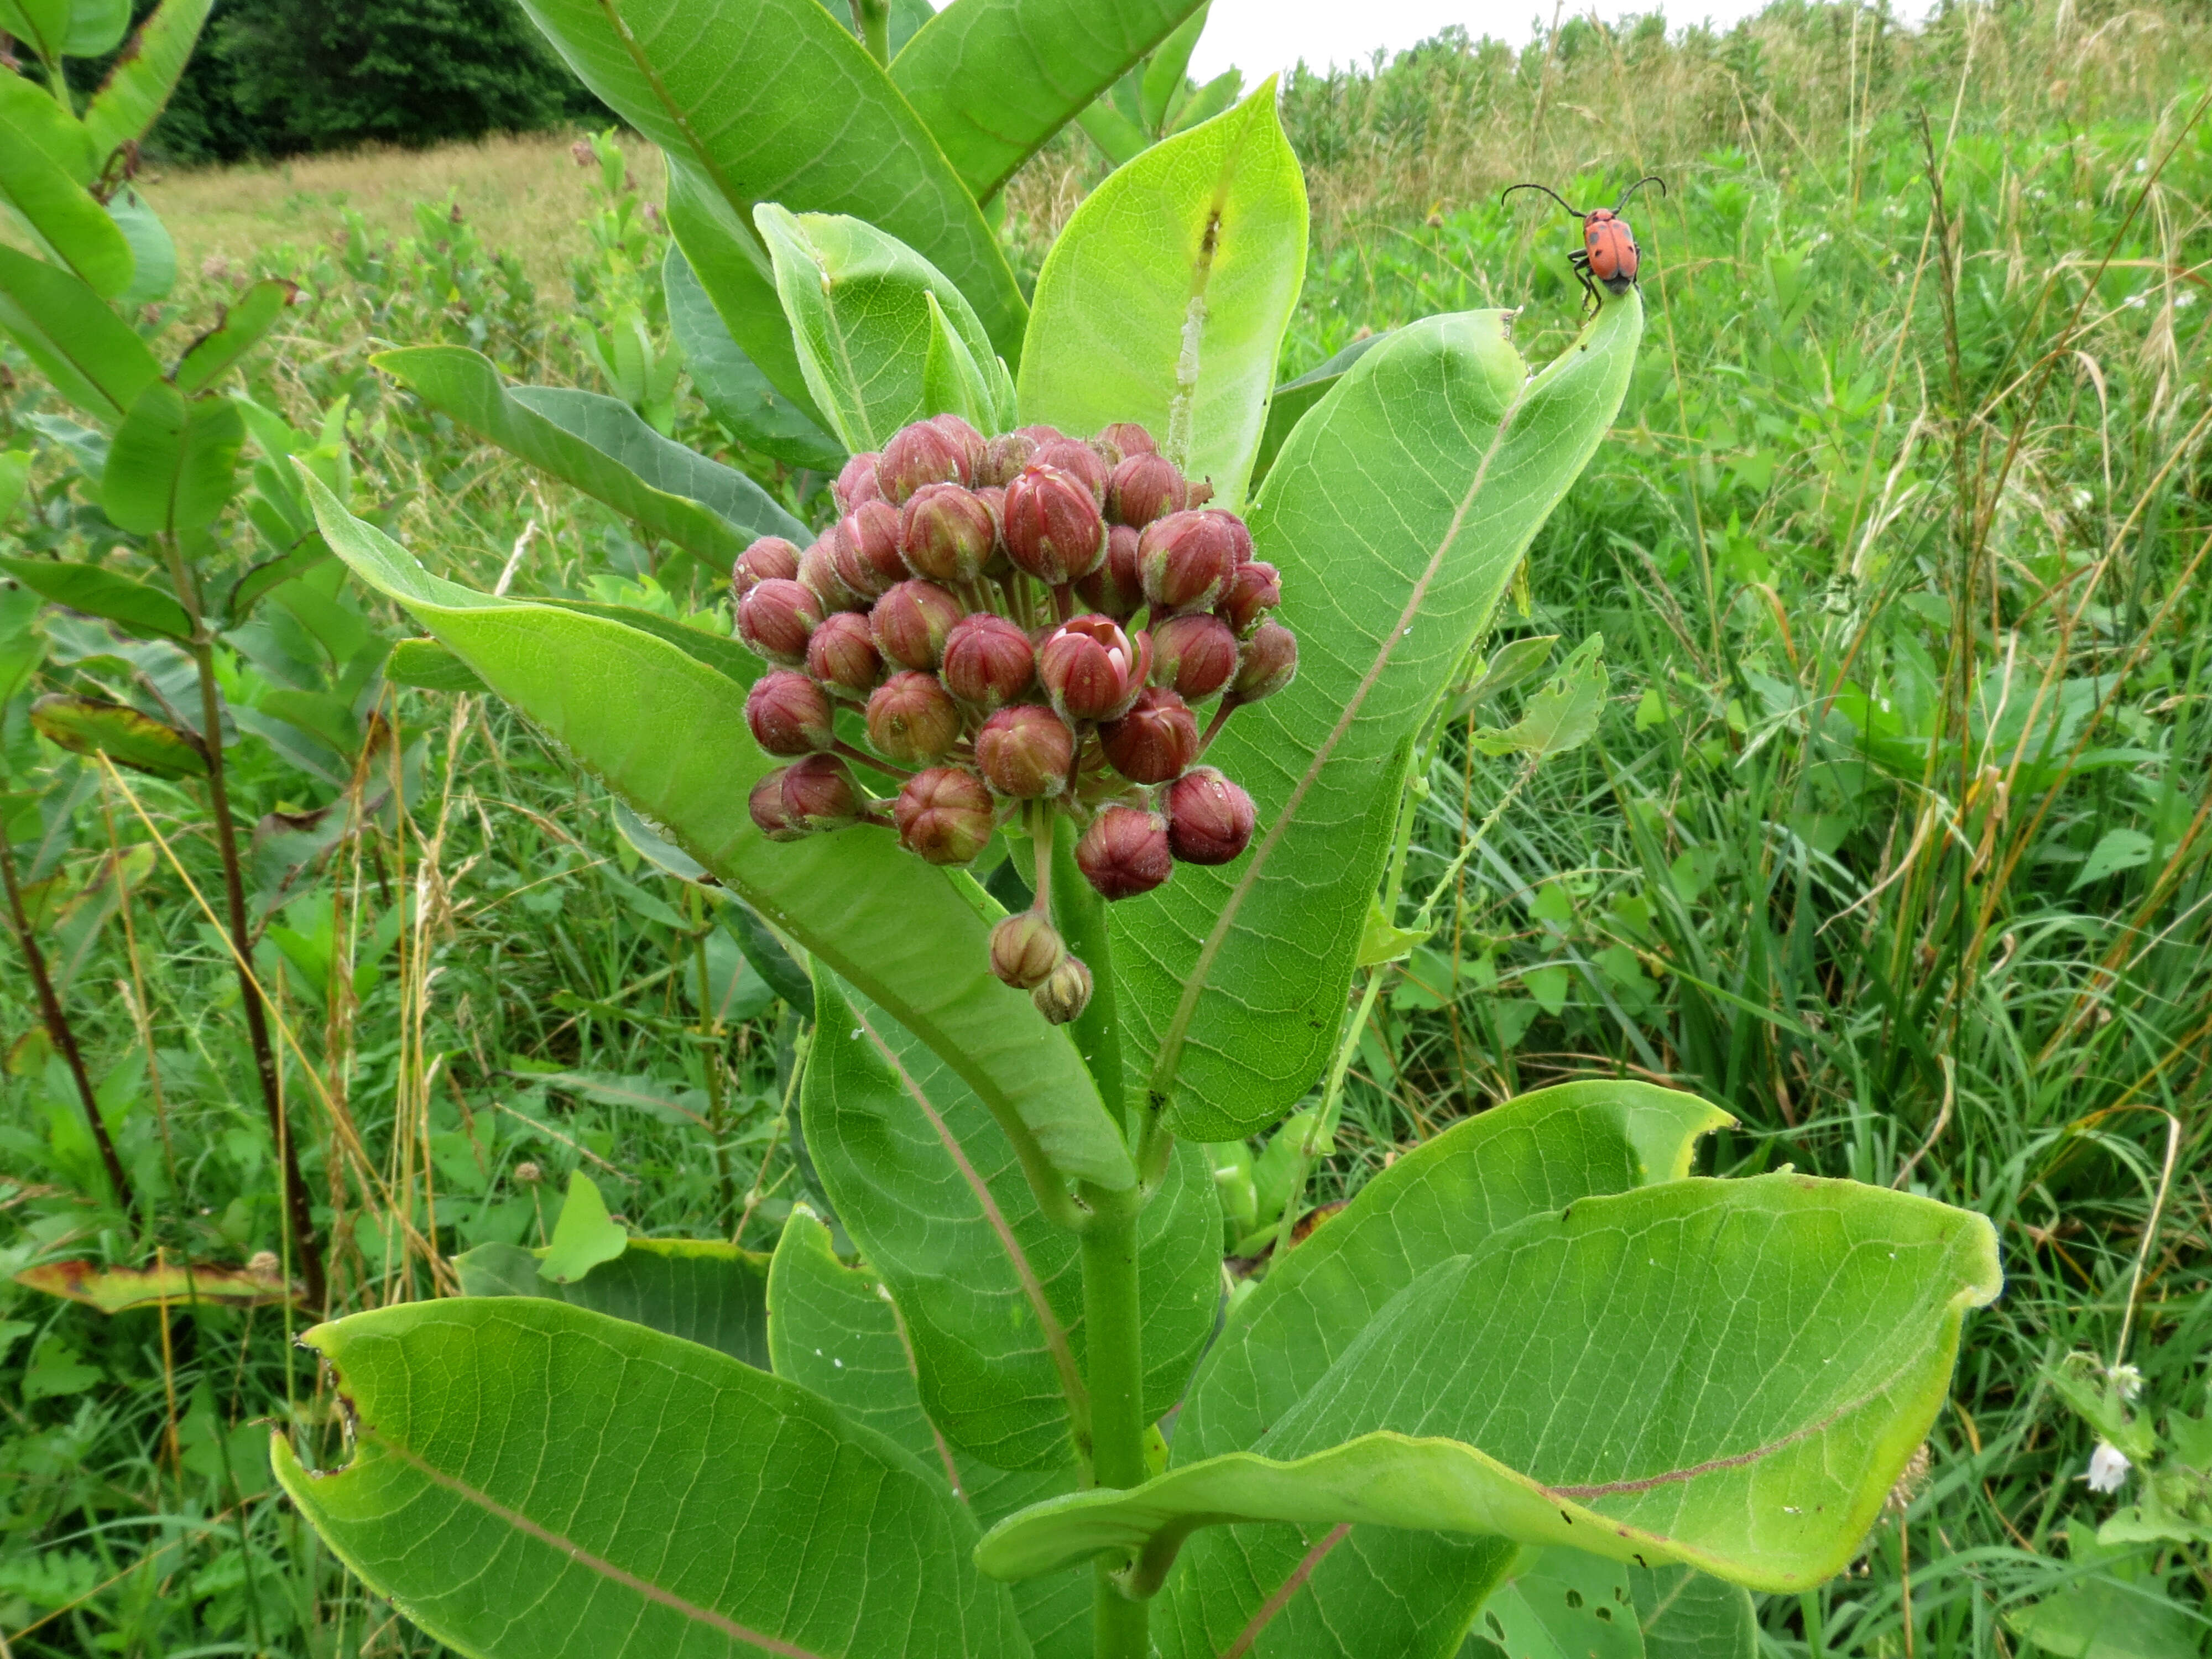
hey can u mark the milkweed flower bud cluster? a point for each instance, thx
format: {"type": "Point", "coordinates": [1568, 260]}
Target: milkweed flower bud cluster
{"type": "Point", "coordinates": [1025, 625]}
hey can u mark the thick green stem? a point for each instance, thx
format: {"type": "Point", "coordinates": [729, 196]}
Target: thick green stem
{"type": "Point", "coordinates": [1113, 1317]}
{"type": "Point", "coordinates": [874, 19]}
{"type": "Point", "coordinates": [1080, 915]}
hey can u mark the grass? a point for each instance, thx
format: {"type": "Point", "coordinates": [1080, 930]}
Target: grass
{"type": "Point", "coordinates": [1893, 838]}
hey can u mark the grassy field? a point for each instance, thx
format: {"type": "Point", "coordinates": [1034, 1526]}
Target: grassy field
{"type": "Point", "coordinates": [1894, 839]}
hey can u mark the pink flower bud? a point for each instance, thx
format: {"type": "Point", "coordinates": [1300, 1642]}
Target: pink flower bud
{"type": "Point", "coordinates": [788, 714]}
{"type": "Point", "coordinates": [912, 717]}
{"type": "Point", "coordinates": [1145, 487]}
{"type": "Point", "coordinates": [1115, 588]}
{"type": "Point", "coordinates": [775, 618]}
{"type": "Point", "coordinates": [818, 792]}
{"type": "Point", "coordinates": [1077, 458]}
{"type": "Point", "coordinates": [1025, 752]}
{"type": "Point", "coordinates": [771, 555]}
{"type": "Point", "coordinates": [1155, 741]}
{"type": "Point", "coordinates": [1003, 457]}
{"type": "Point", "coordinates": [1039, 434]}
{"type": "Point", "coordinates": [1125, 852]}
{"type": "Point", "coordinates": [765, 802]}
{"type": "Point", "coordinates": [1026, 949]}
{"type": "Point", "coordinates": [1255, 590]}
{"type": "Point", "coordinates": [1129, 437]}
{"type": "Point", "coordinates": [1269, 662]}
{"type": "Point", "coordinates": [1066, 994]}
{"type": "Point", "coordinates": [1209, 817]}
{"type": "Point", "coordinates": [971, 443]}
{"type": "Point", "coordinates": [842, 654]}
{"type": "Point", "coordinates": [922, 453]}
{"type": "Point", "coordinates": [866, 541]}
{"type": "Point", "coordinates": [1090, 669]}
{"type": "Point", "coordinates": [946, 533]}
{"type": "Point", "coordinates": [1239, 532]}
{"type": "Point", "coordinates": [912, 622]}
{"type": "Point", "coordinates": [817, 569]}
{"type": "Point", "coordinates": [946, 815]}
{"type": "Point", "coordinates": [1196, 653]}
{"type": "Point", "coordinates": [857, 483]}
{"type": "Point", "coordinates": [988, 662]}
{"type": "Point", "coordinates": [1053, 528]}
{"type": "Point", "coordinates": [1187, 560]}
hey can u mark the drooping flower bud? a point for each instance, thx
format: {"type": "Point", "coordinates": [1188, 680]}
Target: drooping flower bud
{"type": "Point", "coordinates": [1209, 818]}
{"type": "Point", "coordinates": [988, 662]}
{"type": "Point", "coordinates": [1065, 995]}
{"type": "Point", "coordinates": [1025, 752]}
{"type": "Point", "coordinates": [944, 815]}
{"type": "Point", "coordinates": [1026, 949]}
{"type": "Point", "coordinates": [922, 453]}
{"type": "Point", "coordinates": [1187, 560]}
{"type": "Point", "coordinates": [1155, 741]}
{"type": "Point", "coordinates": [866, 540]}
{"type": "Point", "coordinates": [857, 483]}
{"type": "Point", "coordinates": [1196, 653]}
{"type": "Point", "coordinates": [1269, 662]}
{"type": "Point", "coordinates": [1255, 590]}
{"type": "Point", "coordinates": [771, 555]}
{"type": "Point", "coordinates": [1115, 588]}
{"type": "Point", "coordinates": [788, 714]}
{"type": "Point", "coordinates": [912, 621]}
{"type": "Point", "coordinates": [817, 569]}
{"type": "Point", "coordinates": [911, 717]}
{"type": "Point", "coordinates": [946, 533]}
{"type": "Point", "coordinates": [1077, 458]}
{"type": "Point", "coordinates": [1125, 852]}
{"type": "Point", "coordinates": [1053, 529]}
{"type": "Point", "coordinates": [1129, 437]}
{"type": "Point", "coordinates": [842, 654]}
{"type": "Point", "coordinates": [1003, 457]}
{"type": "Point", "coordinates": [776, 619]}
{"type": "Point", "coordinates": [765, 802]}
{"type": "Point", "coordinates": [819, 794]}
{"type": "Point", "coordinates": [1090, 669]}
{"type": "Point", "coordinates": [1145, 487]}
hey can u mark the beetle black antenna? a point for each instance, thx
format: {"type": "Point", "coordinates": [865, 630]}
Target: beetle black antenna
{"type": "Point", "coordinates": [1547, 191]}
{"type": "Point", "coordinates": [1649, 178]}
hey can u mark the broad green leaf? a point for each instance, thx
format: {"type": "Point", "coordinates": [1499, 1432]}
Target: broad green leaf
{"type": "Point", "coordinates": [87, 725]}
{"type": "Point", "coordinates": [994, 79]}
{"type": "Point", "coordinates": [732, 384]}
{"type": "Point", "coordinates": [1161, 90]}
{"type": "Point", "coordinates": [667, 733]}
{"type": "Point", "coordinates": [602, 459]}
{"type": "Point", "coordinates": [703, 1290]}
{"type": "Point", "coordinates": [1165, 300]}
{"type": "Point", "coordinates": [766, 954]}
{"type": "Point", "coordinates": [2116, 850]}
{"type": "Point", "coordinates": [430, 666]}
{"type": "Point", "coordinates": [1688, 1614]}
{"type": "Point", "coordinates": [1564, 715]}
{"type": "Point", "coordinates": [1516, 662]}
{"type": "Point", "coordinates": [2104, 1618]}
{"type": "Point", "coordinates": [88, 353]}
{"type": "Point", "coordinates": [584, 1235]}
{"type": "Point", "coordinates": [14, 479]}
{"type": "Point", "coordinates": [99, 592]}
{"type": "Point", "coordinates": [1290, 401]}
{"type": "Point", "coordinates": [309, 551]}
{"type": "Point", "coordinates": [1562, 1604]}
{"type": "Point", "coordinates": [41, 25]}
{"type": "Point", "coordinates": [990, 1288]}
{"type": "Point", "coordinates": [774, 100]}
{"type": "Point", "coordinates": [1397, 513]}
{"type": "Point", "coordinates": [951, 382]}
{"type": "Point", "coordinates": [726, 656]}
{"type": "Point", "coordinates": [65, 217]}
{"type": "Point", "coordinates": [654, 1497]}
{"type": "Point", "coordinates": [1407, 1593]}
{"type": "Point", "coordinates": [236, 333]}
{"type": "Point", "coordinates": [858, 301]}
{"type": "Point", "coordinates": [1209, 101]}
{"type": "Point", "coordinates": [30, 118]}
{"type": "Point", "coordinates": [174, 464]}
{"type": "Point", "coordinates": [1728, 1375]}
{"type": "Point", "coordinates": [137, 88]}
{"type": "Point", "coordinates": [152, 250]}
{"type": "Point", "coordinates": [96, 26]}
{"type": "Point", "coordinates": [1121, 138]}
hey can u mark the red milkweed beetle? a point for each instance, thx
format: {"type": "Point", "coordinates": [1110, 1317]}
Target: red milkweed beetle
{"type": "Point", "coordinates": [1608, 250]}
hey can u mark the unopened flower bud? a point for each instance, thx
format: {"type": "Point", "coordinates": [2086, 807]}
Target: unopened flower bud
{"type": "Point", "coordinates": [1269, 662]}
{"type": "Point", "coordinates": [1077, 458]}
{"type": "Point", "coordinates": [912, 621]}
{"type": "Point", "coordinates": [946, 815]}
{"type": "Point", "coordinates": [866, 540]}
{"type": "Point", "coordinates": [1209, 817]}
{"type": "Point", "coordinates": [922, 453]}
{"type": "Point", "coordinates": [911, 717]}
{"type": "Point", "coordinates": [1090, 669]}
{"type": "Point", "coordinates": [1196, 653]}
{"type": "Point", "coordinates": [1003, 457]}
{"type": "Point", "coordinates": [971, 443]}
{"type": "Point", "coordinates": [1025, 752]}
{"type": "Point", "coordinates": [1143, 487]}
{"type": "Point", "coordinates": [842, 654]}
{"type": "Point", "coordinates": [1125, 852]}
{"type": "Point", "coordinates": [765, 802]}
{"type": "Point", "coordinates": [776, 617]}
{"type": "Point", "coordinates": [788, 714]}
{"type": "Point", "coordinates": [1053, 528]}
{"type": "Point", "coordinates": [1026, 949]}
{"type": "Point", "coordinates": [1255, 590]}
{"type": "Point", "coordinates": [1155, 741]}
{"type": "Point", "coordinates": [1201, 491]}
{"type": "Point", "coordinates": [946, 533]}
{"type": "Point", "coordinates": [817, 569]}
{"type": "Point", "coordinates": [1066, 994]}
{"type": "Point", "coordinates": [771, 555]}
{"type": "Point", "coordinates": [1115, 588]}
{"type": "Point", "coordinates": [988, 662]}
{"type": "Point", "coordinates": [819, 794]}
{"type": "Point", "coordinates": [857, 483]}
{"type": "Point", "coordinates": [1129, 437]}
{"type": "Point", "coordinates": [1039, 434]}
{"type": "Point", "coordinates": [1187, 560]}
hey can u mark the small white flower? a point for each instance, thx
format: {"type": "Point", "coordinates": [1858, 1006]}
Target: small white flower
{"type": "Point", "coordinates": [2127, 1379]}
{"type": "Point", "coordinates": [2108, 1468]}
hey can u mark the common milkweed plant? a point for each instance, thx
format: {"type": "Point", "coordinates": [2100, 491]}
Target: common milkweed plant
{"type": "Point", "coordinates": [1536, 1386]}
